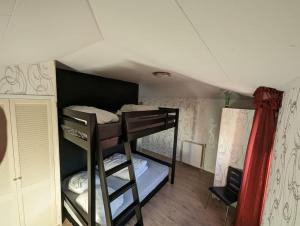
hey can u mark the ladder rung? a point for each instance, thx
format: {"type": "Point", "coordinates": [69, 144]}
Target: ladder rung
{"type": "Point", "coordinates": [125, 214]}
{"type": "Point", "coordinates": [121, 190]}
{"type": "Point", "coordinates": [117, 168]}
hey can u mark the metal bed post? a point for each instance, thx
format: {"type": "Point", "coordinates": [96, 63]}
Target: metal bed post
{"type": "Point", "coordinates": [174, 146]}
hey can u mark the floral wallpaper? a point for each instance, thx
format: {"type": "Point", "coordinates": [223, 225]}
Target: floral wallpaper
{"type": "Point", "coordinates": [283, 195]}
{"type": "Point", "coordinates": [28, 79]}
{"type": "Point", "coordinates": [199, 121]}
{"type": "Point", "coordinates": [234, 134]}
{"type": "Point", "coordinates": [163, 141]}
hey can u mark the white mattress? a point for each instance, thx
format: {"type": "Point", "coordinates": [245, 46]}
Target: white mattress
{"type": "Point", "coordinates": [146, 183]}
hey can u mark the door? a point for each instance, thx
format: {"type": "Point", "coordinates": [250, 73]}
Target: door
{"type": "Point", "coordinates": [9, 212]}
{"type": "Point", "coordinates": [32, 130]}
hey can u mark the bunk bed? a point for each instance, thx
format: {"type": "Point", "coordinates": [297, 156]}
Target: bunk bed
{"type": "Point", "coordinates": [98, 140]}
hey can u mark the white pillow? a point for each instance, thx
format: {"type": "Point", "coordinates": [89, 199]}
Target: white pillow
{"type": "Point", "coordinates": [83, 200]}
{"type": "Point", "coordinates": [135, 107]}
{"type": "Point", "coordinates": [78, 183]}
{"type": "Point", "coordinates": [140, 165]}
{"type": "Point", "coordinates": [102, 115]}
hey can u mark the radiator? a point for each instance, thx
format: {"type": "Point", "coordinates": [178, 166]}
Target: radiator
{"type": "Point", "coordinates": [193, 153]}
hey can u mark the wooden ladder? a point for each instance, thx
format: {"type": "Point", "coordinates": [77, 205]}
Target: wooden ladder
{"type": "Point", "coordinates": [135, 207]}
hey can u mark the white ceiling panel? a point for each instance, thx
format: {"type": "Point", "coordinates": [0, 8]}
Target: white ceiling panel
{"type": "Point", "coordinates": [110, 60]}
{"type": "Point", "coordinates": [137, 72]}
{"type": "Point", "coordinates": [97, 55]}
{"type": "Point", "coordinates": [180, 89]}
{"type": "Point", "coordinates": [40, 30]}
{"type": "Point", "coordinates": [157, 32]}
{"type": "Point", "coordinates": [256, 42]}
{"type": "Point", "coordinates": [105, 59]}
{"type": "Point", "coordinates": [238, 45]}
{"type": "Point", "coordinates": [6, 7]}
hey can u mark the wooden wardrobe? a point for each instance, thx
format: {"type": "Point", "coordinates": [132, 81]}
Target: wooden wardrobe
{"type": "Point", "coordinates": [29, 162]}
{"type": "Point", "coordinates": [234, 134]}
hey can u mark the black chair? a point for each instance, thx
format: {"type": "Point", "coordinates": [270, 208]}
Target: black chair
{"type": "Point", "coordinates": [229, 193]}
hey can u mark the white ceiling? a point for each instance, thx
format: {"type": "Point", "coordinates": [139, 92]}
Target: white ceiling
{"type": "Point", "coordinates": [40, 30]}
{"type": "Point", "coordinates": [236, 45]}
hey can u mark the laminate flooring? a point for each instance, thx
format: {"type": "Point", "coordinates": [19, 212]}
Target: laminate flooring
{"type": "Point", "coordinates": [183, 204]}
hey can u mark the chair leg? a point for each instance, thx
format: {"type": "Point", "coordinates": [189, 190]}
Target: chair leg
{"type": "Point", "coordinates": [208, 198]}
{"type": "Point", "coordinates": [226, 217]}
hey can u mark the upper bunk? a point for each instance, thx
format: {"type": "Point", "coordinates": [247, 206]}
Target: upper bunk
{"type": "Point", "coordinates": [81, 128]}
{"type": "Point", "coordinates": [139, 124]}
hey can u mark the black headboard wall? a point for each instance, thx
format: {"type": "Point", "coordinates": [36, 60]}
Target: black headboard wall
{"type": "Point", "coordinates": [84, 89]}
{"type": "Point", "coordinates": [74, 88]}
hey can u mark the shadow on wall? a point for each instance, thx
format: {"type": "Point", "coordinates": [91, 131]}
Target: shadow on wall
{"type": "Point", "coordinates": [3, 135]}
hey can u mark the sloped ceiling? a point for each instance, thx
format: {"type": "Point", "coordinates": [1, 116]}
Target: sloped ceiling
{"type": "Point", "coordinates": [236, 45]}
{"type": "Point", "coordinates": [39, 30]}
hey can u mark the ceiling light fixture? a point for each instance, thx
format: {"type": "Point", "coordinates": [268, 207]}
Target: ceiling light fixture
{"type": "Point", "coordinates": [161, 74]}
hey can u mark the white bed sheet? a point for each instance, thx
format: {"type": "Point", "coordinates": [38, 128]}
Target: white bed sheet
{"type": "Point", "coordinates": [146, 183]}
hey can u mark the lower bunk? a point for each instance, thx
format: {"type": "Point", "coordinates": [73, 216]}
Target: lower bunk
{"type": "Point", "coordinates": [148, 183]}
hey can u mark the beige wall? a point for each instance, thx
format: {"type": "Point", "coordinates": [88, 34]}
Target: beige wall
{"type": "Point", "coordinates": [283, 194]}
{"type": "Point", "coordinates": [199, 121]}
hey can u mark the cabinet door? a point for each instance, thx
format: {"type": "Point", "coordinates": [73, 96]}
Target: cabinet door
{"type": "Point", "coordinates": [9, 213]}
{"type": "Point", "coordinates": [32, 128]}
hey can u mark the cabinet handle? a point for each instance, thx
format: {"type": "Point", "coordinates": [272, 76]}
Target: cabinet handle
{"type": "Point", "coordinates": [19, 178]}
{"type": "Point", "coordinates": [15, 179]}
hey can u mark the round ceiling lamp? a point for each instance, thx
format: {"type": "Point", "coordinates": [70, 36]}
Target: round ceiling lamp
{"type": "Point", "coordinates": [161, 74]}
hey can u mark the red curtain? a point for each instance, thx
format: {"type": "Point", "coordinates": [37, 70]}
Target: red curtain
{"type": "Point", "coordinates": [267, 102]}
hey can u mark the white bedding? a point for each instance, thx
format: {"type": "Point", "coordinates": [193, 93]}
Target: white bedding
{"type": "Point", "coordinates": [82, 201]}
{"type": "Point", "coordinates": [140, 165]}
{"type": "Point", "coordinates": [155, 174]}
{"type": "Point", "coordinates": [78, 183]}
{"type": "Point", "coordinates": [102, 115]}
{"type": "Point", "coordinates": [136, 107]}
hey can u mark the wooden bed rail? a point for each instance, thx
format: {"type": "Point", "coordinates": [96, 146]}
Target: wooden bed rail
{"type": "Point", "coordinates": [133, 125]}
{"type": "Point", "coordinates": [81, 122]}
{"type": "Point", "coordinates": [143, 123]}
{"type": "Point", "coordinates": [139, 124]}
{"type": "Point", "coordinates": [85, 123]}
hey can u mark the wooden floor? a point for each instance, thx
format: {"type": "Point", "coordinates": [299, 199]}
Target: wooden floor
{"type": "Point", "coordinates": [184, 202]}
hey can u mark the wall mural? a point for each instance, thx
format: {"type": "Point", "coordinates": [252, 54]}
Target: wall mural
{"type": "Point", "coordinates": [282, 202]}
{"type": "Point", "coordinates": [234, 134]}
{"type": "Point", "coordinates": [28, 79]}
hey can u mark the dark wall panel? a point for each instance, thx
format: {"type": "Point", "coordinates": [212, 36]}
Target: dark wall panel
{"type": "Point", "coordinates": [75, 88]}
{"type": "Point", "coordinates": [84, 89]}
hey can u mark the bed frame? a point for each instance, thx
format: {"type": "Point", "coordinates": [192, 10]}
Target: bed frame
{"type": "Point", "coordinates": [103, 137]}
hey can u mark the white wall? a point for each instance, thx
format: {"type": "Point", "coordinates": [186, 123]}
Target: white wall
{"type": "Point", "coordinates": [199, 121]}
{"type": "Point", "coordinates": [283, 195]}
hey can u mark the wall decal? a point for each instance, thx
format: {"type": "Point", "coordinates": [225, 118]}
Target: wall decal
{"type": "Point", "coordinates": [283, 195]}
{"type": "Point", "coordinates": [28, 79]}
